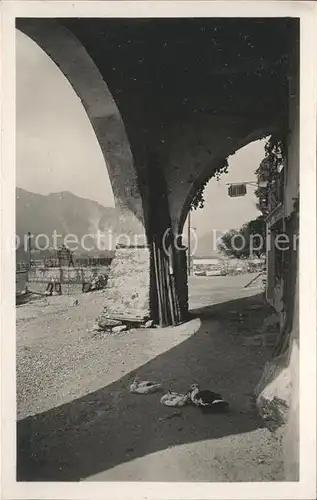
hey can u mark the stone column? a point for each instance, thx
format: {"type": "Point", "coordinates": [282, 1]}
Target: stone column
{"type": "Point", "coordinates": [127, 295]}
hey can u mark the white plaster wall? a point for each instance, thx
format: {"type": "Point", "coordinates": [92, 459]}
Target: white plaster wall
{"type": "Point", "coordinates": [291, 440]}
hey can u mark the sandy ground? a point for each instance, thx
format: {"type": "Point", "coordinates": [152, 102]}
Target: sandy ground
{"type": "Point", "coordinates": [78, 421]}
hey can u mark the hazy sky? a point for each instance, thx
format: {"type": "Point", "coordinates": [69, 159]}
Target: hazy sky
{"type": "Point", "coordinates": [58, 151]}
{"type": "Point", "coordinates": [220, 211]}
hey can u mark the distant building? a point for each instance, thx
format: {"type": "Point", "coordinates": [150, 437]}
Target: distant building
{"type": "Point", "coordinates": [223, 265]}
{"type": "Point", "coordinates": [206, 261]}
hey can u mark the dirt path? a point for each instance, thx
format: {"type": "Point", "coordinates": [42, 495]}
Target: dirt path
{"type": "Point", "coordinates": [78, 421]}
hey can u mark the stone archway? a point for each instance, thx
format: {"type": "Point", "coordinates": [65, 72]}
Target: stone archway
{"type": "Point", "coordinates": [130, 267]}
{"type": "Point", "coordinates": [178, 117]}
{"type": "Point", "coordinates": [180, 128]}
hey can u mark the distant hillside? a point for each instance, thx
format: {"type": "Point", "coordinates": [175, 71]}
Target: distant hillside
{"type": "Point", "coordinates": [207, 246]}
{"type": "Point", "coordinates": [64, 213]}
{"type": "Point", "coordinates": [67, 213]}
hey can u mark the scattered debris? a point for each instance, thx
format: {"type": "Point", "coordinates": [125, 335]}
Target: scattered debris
{"type": "Point", "coordinates": [105, 323]}
{"type": "Point", "coordinates": [100, 334]}
{"type": "Point", "coordinates": [119, 328]}
{"type": "Point", "coordinates": [148, 324]}
{"type": "Point", "coordinates": [97, 283]}
{"type": "Point", "coordinates": [273, 392]}
{"type": "Point", "coordinates": [96, 328]}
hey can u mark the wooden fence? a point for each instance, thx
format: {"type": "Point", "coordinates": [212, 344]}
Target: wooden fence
{"type": "Point", "coordinates": [71, 275]}
{"type": "Point", "coordinates": [21, 281]}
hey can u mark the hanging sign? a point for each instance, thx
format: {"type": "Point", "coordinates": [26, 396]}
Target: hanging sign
{"type": "Point", "coordinates": [236, 190]}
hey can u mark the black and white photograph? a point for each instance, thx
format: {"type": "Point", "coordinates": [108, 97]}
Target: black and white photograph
{"type": "Point", "coordinates": [159, 254]}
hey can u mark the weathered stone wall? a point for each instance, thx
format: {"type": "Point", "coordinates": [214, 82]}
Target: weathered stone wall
{"type": "Point", "coordinates": [278, 397]}
{"type": "Point", "coordinates": [130, 271]}
{"type": "Point", "coordinates": [291, 438]}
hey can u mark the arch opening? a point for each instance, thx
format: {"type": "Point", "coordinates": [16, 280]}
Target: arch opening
{"type": "Point", "coordinates": [203, 228]}
{"type": "Point", "coordinates": [58, 154]}
{"type": "Point", "coordinates": [51, 116]}
{"type": "Point", "coordinates": [208, 173]}
{"type": "Point", "coordinates": [128, 285]}
{"type": "Point", "coordinates": [69, 55]}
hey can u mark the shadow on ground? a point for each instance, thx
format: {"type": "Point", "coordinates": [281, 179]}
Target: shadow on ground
{"type": "Point", "coordinates": [111, 426]}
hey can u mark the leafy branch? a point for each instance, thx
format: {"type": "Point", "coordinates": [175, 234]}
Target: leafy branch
{"type": "Point", "coordinates": [269, 168]}
{"type": "Point", "coordinates": [199, 200]}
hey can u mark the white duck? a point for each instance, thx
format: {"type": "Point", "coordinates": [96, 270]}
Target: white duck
{"type": "Point", "coordinates": [207, 400]}
{"type": "Point", "coordinates": [144, 386]}
{"type": "Point", "coordinates": [175, 399]}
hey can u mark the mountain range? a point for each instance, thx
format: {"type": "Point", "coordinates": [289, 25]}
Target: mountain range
{"type": "Point", "coordinates": [64, 213]}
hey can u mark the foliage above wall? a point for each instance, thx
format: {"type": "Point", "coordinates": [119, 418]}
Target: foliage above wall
{"type": "Point", "coordinates": [269, 168]}
{"type": "Point", "coordinates": [199, 200]}
{"type": "Point", "coordinates": [275, 154]}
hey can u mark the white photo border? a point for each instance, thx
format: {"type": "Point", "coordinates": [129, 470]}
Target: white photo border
{"type": "Point", "coordinates": [306, 487]}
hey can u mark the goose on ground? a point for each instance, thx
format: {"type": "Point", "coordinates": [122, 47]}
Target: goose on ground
{"type": "Point", "coordinates": [206, 399]}
{"type": "Point", "coordinates": [144, 386]}
{"type": "Point", "coordinates": [175, 399]}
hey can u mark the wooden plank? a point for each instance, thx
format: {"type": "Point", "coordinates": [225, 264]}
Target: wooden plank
{"type": "Point", "coordinates": [158, 285]}
{"type": "Point", "coordinates": [161, 276]}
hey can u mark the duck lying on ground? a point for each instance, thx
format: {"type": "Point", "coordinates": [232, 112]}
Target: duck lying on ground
{"type": "Point", "coordinates": [144, 386]}
{"type": "Point", "coordinates": [207, 400]}
{"type": "Point", "coordinates": [175, 399]}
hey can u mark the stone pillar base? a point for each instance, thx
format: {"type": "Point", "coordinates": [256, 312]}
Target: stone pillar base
{"type": "Point", "coordinates": [127, 294]}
